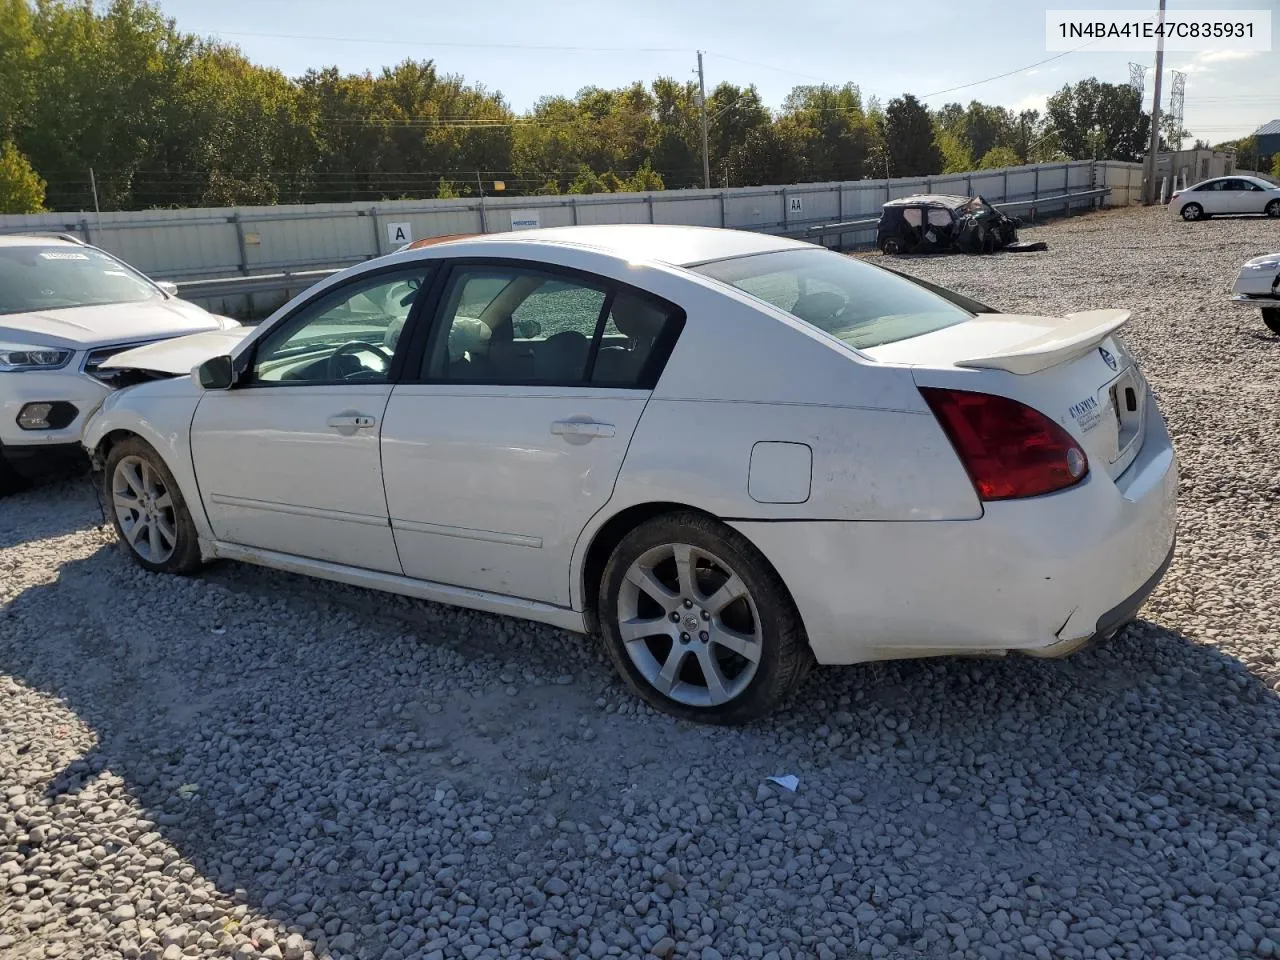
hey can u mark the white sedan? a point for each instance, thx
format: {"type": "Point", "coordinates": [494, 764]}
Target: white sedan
{"type": "Point", "coordinates": [1230, 195]}
{"type": "Point", "coordinates": [733, 455]}
{"type": "Point", "coordinates": [1258, 285]}
{"type": "Point", "coordinates": [65, 307]}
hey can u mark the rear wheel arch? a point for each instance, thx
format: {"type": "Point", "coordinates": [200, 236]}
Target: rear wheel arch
{"type": "Point", "coordinates": [606, 539]}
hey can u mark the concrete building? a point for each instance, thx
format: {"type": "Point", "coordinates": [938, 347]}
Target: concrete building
{"type": "Point", "coordinates": [1194, 165]}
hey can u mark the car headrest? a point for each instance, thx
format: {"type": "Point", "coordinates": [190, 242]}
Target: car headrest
{"type": "Point", "coordinates": [637, 319]}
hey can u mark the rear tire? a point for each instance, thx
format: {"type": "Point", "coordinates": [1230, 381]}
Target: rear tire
{"type": "Point", "coordinates": [698, 623]}
{"type": "Point", "coordinates": [148, 510]}
{"type": "Point", "coordinates": [1193, 211]}
{"type": "Point", "coordinates": [1273, 209]}
{"type": "Point", "coordinates": [1271, 317]}
{"type": "Point", "coordinates": [891, 246]}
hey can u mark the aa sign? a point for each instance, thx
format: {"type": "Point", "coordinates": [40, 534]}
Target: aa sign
{"type": "Point", "coordinates": [400, 232]}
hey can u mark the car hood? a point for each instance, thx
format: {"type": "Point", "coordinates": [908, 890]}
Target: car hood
{"type": "Point", "coordinates": [96, 326]}
{"type": "Point", "coordinates": [178, 355]}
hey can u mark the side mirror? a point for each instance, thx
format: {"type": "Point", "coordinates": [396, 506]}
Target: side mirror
{"type": "Point", "coordinates": [527, 329]}
{"type": "Point", "coordinates": [169, 287]}
{"type": "Point", "coordinates": [215, 374]}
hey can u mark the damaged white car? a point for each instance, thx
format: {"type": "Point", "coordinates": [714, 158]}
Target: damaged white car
{"type": "Point", "coordinates": [65, 307]}
{"type": "Point", "coordinates": [1258, 285]}
{"type": "Point", "coordinates": [733, 455]}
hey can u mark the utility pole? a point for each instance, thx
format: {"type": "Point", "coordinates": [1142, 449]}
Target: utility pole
{"type": "Point", "coordinates": [484, 221]}
{"type": "Point", "coordinates": [1149, 194]}
{"type": "Point", "coordinates": [702, 108]}
{"type": "Point", "coordinates": [93, 185]}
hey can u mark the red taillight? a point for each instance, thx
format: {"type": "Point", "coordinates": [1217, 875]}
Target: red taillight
{"type": "Point", "coordinates": [1009, 449]}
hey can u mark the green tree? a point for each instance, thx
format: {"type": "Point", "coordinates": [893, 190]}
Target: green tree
{"type": "Point", "coordinates": [828, 132]}
{"type": "Point", "coordinates": [1103, 118]}
{"type": "Point", "coordinates": [998, 157]}
{"type": "Point", "coordinates": [21, 189]}
{"type": "Point", "coordinates": [1275, 165]}
{"type": "Point", "coordinates": [957, 156]}
{"type": "Point", "coordinates": [909, 139]}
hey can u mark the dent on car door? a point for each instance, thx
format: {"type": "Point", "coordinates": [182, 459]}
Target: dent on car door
{"type": "Point", "coordinates": [513, 437]}
{"type": "Point", "coordinates": [288, 459]}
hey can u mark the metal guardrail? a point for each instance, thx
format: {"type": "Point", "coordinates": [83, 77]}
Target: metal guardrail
{"type": "Point", "coordinates": [258, 283]}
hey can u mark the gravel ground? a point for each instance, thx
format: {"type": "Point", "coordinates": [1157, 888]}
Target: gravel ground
{"type": "Point", "coordinates": [251, 764]}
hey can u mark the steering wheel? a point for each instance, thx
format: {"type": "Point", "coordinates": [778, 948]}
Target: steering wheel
{"type": "Point", "coordinates": [355, 346]}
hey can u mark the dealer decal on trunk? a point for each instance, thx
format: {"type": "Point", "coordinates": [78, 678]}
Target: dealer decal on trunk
{"type": "Point", "coordinates": [1086, 413]}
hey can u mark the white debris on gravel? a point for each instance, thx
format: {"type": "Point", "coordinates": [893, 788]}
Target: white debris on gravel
{"type": "Point", "coordinates": [249, 764]}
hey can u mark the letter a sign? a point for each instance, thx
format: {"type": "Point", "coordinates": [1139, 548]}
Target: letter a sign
{"type": "Point", "coordinates": [398, 233]}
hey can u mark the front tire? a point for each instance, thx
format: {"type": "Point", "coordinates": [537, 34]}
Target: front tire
{"type": "Point", "coordinates": [698, 623]}
{"type": "Point", "coordinates": [1271, 317]}
{"type": "Point", "coordinates": [1192, 211]}
{"type": "Point", "coordinates": [148, 510]}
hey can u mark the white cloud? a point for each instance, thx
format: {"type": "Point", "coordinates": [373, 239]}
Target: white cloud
{"type": "Point", "coordinates": [1217, 56]}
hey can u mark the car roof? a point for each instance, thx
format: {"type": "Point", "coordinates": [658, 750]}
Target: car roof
{"type": "Point", "coordinates": [930, 200]}
{"type": "Point", "coordinates": [678, 246]}
{"type": "Point", "coordinates": [36, 240]}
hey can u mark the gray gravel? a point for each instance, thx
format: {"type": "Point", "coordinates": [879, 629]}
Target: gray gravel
{"type": "Point", "coordinates": [249, 764]}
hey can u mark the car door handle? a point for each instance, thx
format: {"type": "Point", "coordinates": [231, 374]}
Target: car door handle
{"type": "Point", "coordinates": [582, 428]}
{"type": "Point", "coordinates": [350, 421]}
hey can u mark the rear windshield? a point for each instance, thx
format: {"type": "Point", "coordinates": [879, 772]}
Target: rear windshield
{"type": "Point", "coordinates": [860, 304]}
{"type": "Point", "coordinates": [47, 277]}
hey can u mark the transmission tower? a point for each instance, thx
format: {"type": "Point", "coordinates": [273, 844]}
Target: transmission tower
{"type": "Point", "coordinates": [1177, 96]}
{"type": "Point", "coordinates": [1137, 78]}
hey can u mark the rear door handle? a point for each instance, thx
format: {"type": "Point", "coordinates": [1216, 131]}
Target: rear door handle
{"type": "Point", "coordinates": [352, 421]}
{"type": "Point", "coordinates": [582, 428]}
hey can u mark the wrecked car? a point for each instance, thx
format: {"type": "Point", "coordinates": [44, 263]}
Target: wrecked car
{"type": "Point", "coordinates": [1258, 285]}
{"type": "Point", "coordinates": [938, 223]}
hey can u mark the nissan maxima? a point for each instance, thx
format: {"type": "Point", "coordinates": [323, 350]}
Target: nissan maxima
{"type": "Point", "coordinates": [731, 456]}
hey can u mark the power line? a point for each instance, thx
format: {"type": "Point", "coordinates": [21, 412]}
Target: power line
{"type": "Point", "coordinates": [450, 44]}
{"type": "Point", "coordinates": [1001, 76]}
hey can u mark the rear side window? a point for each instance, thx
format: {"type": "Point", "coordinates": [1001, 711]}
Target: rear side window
{"type": "Point", "coordinates": [516, 325]}
{"type": "Point", "coordinates": [853, 301]}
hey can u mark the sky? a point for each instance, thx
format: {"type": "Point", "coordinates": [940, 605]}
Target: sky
{"type": "Point", "coordinates": [527, 49]}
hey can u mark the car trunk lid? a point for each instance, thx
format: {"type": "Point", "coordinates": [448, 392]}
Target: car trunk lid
{"type": "Point", "coordinates": [1071, 368]}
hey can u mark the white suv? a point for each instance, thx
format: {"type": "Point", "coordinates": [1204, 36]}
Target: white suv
{"type": "Point", "coordinates": [65, 307]}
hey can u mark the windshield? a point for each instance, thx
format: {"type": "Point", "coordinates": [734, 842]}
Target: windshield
{"type": "Point", "coordinates": [47, 277]}
{"type": "Point", "coordinates": [860, 304]}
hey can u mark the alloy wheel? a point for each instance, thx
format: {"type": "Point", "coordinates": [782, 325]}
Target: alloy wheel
{"type": "Point", "coordinates": [144, 507]}
{"type": "Point", "coordinates": [689, 625]}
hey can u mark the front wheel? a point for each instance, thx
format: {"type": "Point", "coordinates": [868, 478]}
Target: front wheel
{"type": "Point", "coordinates": [1273, 209]}
{"type": "Point", "coordinates": [1271, 317]}
{"type": "Point", "coordinates": [698, 623]}
{"type": "Point", "coordinates": [891, 246]}
{"type": "Point", "coordinates": [148, 510]}
{"type": "Point", "coordinates": [1193, 211]}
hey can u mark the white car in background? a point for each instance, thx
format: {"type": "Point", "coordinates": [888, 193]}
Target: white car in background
{"type": "Point", "coordinates": [65, 307]}
{"type": "Point", "coordinates": [1226, 195]}
{"type": "Point", "coordinates": [732, 454]}
{"type": "Point", "coordinates": [1258, 285]}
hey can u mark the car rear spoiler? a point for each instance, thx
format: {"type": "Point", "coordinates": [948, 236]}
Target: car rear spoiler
{"type": "Point", "coordinates": [1057, 340]}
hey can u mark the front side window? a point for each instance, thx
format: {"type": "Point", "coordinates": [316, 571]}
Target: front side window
{"type": "Point", "coordinates": [855, 302]}
{"type": "Point", "coordinates": [348, 334]}
{"type": "Point", "coordinates": [53, 277]}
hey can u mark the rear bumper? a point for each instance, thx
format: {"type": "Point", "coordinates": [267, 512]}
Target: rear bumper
{"type": "Point", "coordinates": [1043, 576]}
